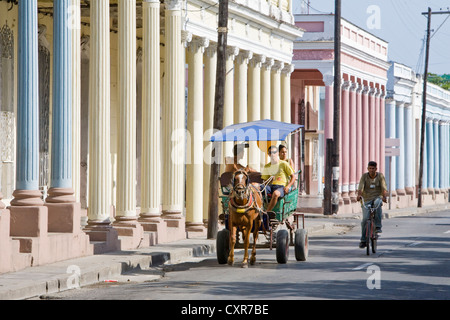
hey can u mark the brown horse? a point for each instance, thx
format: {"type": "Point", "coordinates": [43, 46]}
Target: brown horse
{"type": "Point", "coordinates": [245, 210]}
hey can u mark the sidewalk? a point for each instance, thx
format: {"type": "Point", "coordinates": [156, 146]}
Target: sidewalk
{"type": "Point", "coordinates": [60, 276]}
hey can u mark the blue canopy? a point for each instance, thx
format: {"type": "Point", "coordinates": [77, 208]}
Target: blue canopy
{"type": "Point", "coordinates": [261, 130]}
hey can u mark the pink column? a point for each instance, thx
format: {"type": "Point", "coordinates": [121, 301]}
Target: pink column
{"type": "Point", "coordinates": [377, 127]}
{"type": "Point", "coordinates": [345, 148]}
{"type": "Point", "coordinates": [372, 125]}
{"type": "Point", "coordinates": [352, 148]}
{"type": "Point", "coordinates": [359, 134]}
{"type": "Point", "coordinates": [328, 126]}
{"type": "Point", "coordinates": [382, 164]}
{"type": "Point", "coordinates": [365, 128]}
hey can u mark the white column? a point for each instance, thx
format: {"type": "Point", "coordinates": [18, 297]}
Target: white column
{"type": "Point", "coordinates": [194, 166]}
{"type": "Point", "coordinates": [126, 158]}
{"type": "Point", "coordinates": [151, 114]}
{"type": "Point", "coordinates": [99, 200]}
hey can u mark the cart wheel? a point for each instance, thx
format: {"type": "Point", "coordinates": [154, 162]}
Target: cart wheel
{"type": "Point", "coordinates": [223, 246]}
{"type": "Point", "coordinates": [301, 244]}
{"type": "Point", "coordinates": [282, 246]}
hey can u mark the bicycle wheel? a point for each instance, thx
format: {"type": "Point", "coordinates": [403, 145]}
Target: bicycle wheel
{"type": "Point", "coordinates": [374, 241]}
{"type": "Point", "coordinates": [368, 236]}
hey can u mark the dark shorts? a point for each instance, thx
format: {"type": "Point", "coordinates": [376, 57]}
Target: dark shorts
{"type": "Point", "coordinates": [271, 188]}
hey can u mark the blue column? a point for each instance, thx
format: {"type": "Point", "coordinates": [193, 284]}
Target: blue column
{"type": "Point", "coordinates": [27, 170]}
{"type": "Point", "coordinates": [390, 133]}
{"type": "Point", "coordinates": [400, 114]}
{"type": "Point", "coordinates": [448, 153]}
{"type": "Point", "coordinates": [425, 162]}
{"type": "Point", "coordinates": [437, 148]}
{"type": "Point", "coordinates": [61, 170]}
{"type": "Point", "coordinates": [442, 151]}
{"type": "Point", "coordinates": [430, 154]}
{"type": "Point", "coordinates": [409, 154]}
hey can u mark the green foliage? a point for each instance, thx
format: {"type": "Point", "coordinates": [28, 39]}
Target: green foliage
{"type": "Point", "coordinates": [441, 80]}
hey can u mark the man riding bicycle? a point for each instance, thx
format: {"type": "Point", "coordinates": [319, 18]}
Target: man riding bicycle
{"type": "Point", "coordinates": [372, 187]}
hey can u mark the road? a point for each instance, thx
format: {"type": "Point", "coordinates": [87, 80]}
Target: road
{"type": "Point", "coordinates": [412, 262]}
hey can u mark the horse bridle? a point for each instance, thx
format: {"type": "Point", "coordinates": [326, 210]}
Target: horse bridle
{"type": "Point", "coordinates": [240, 185]}
{"type": "Point", "coordinates": [249, 195]}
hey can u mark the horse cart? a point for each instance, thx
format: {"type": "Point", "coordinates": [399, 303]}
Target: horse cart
{"type": "Point", "coordinates": [281, 226]}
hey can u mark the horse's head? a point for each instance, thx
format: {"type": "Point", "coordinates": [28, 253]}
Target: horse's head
{"type": "Point", "coordinates": [240, 184]}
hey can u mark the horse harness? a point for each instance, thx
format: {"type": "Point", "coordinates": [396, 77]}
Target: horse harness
{"type": "Point", "coordinates": [251, 203]}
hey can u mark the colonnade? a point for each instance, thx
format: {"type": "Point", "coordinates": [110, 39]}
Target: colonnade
{"type": "Point", "coordinates": [254, 89]}
{"type": "Point", "coordinates": [399, 125]}
{"type": "Point", "coordinates": [257, 87]}
{"type": "Point", "coordinates": [362, 130]}
{"type": "Point", "coordinates": [436, 173]}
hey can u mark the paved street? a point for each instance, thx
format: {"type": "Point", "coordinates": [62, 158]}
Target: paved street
{"type": "Point", "coordinates": [412, 262]}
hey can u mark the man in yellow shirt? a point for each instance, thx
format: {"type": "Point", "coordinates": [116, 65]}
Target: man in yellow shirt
{"type": "Point", "coordinates": [281, 172]}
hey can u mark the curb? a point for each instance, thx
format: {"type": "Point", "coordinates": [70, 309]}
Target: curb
{"type": "Point", "coordinates": [75, 273]}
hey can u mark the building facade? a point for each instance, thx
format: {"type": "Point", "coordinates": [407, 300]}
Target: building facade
{"type": "Point", "coordinates": [106, 130]}
{"type": "Point", "coordinates": [404, 109]}
{"type": "Point", "coordinates": [381, 100]}
{"type": "Point", "coordinates": [364, 68]}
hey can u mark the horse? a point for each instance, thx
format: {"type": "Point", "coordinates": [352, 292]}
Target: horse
{"type": "Point", "coordinates": [245, 210]}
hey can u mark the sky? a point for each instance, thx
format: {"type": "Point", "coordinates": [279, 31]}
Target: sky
{"type": "Point", "coordinates": [401, 24]}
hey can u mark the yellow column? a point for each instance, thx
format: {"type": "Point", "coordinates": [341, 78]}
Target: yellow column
{"type": "Point", "coordinates": [228, 118]}
{"type": "Point", "coordinates": [194, 166]}
{"type": "Point", "coordinates": [99, 209]}
{"type": "Point", "coordinates": [210, 61]}
{"type": "Point", "coordinates": [276, 91]}
{"type": "Point", "coordinates": [173, 116]}
{"type": "Point", "coordinates": [240, 86]}
{"type": "Point", "coordinates": [126, 158]}
{"type": "Point", "coordinates": [286, 93]}
{"type": "Point", "coordinates": [265, 88]}
{"type": "Point", "coordinates": [254, 104]}
{"type": "Point", "coordinates": [76, 99]}
{"type": "Point", "coordinates": [151, 105]}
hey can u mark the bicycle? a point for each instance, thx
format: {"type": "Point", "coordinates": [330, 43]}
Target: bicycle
{"type": "Point", "coordinates": [370, 228]}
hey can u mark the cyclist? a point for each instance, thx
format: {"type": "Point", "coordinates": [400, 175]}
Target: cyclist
{"type": "Point", "coordinates": [372, 187]}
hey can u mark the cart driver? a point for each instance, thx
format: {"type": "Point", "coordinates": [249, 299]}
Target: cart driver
{"type": "Point", "coordinates": [232, 164]}
{"type": "Point", "coordinates": [283, 177]}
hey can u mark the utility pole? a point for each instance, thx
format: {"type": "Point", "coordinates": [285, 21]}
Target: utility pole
{"type": "Point", "coordinates": [424, 102]}
{"type": "Point", "coordinates": [424, 110]}
{"type": "Point", "coordinates": [336, 106]}
{"type": "Point", "coordinates": [218, 118]}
